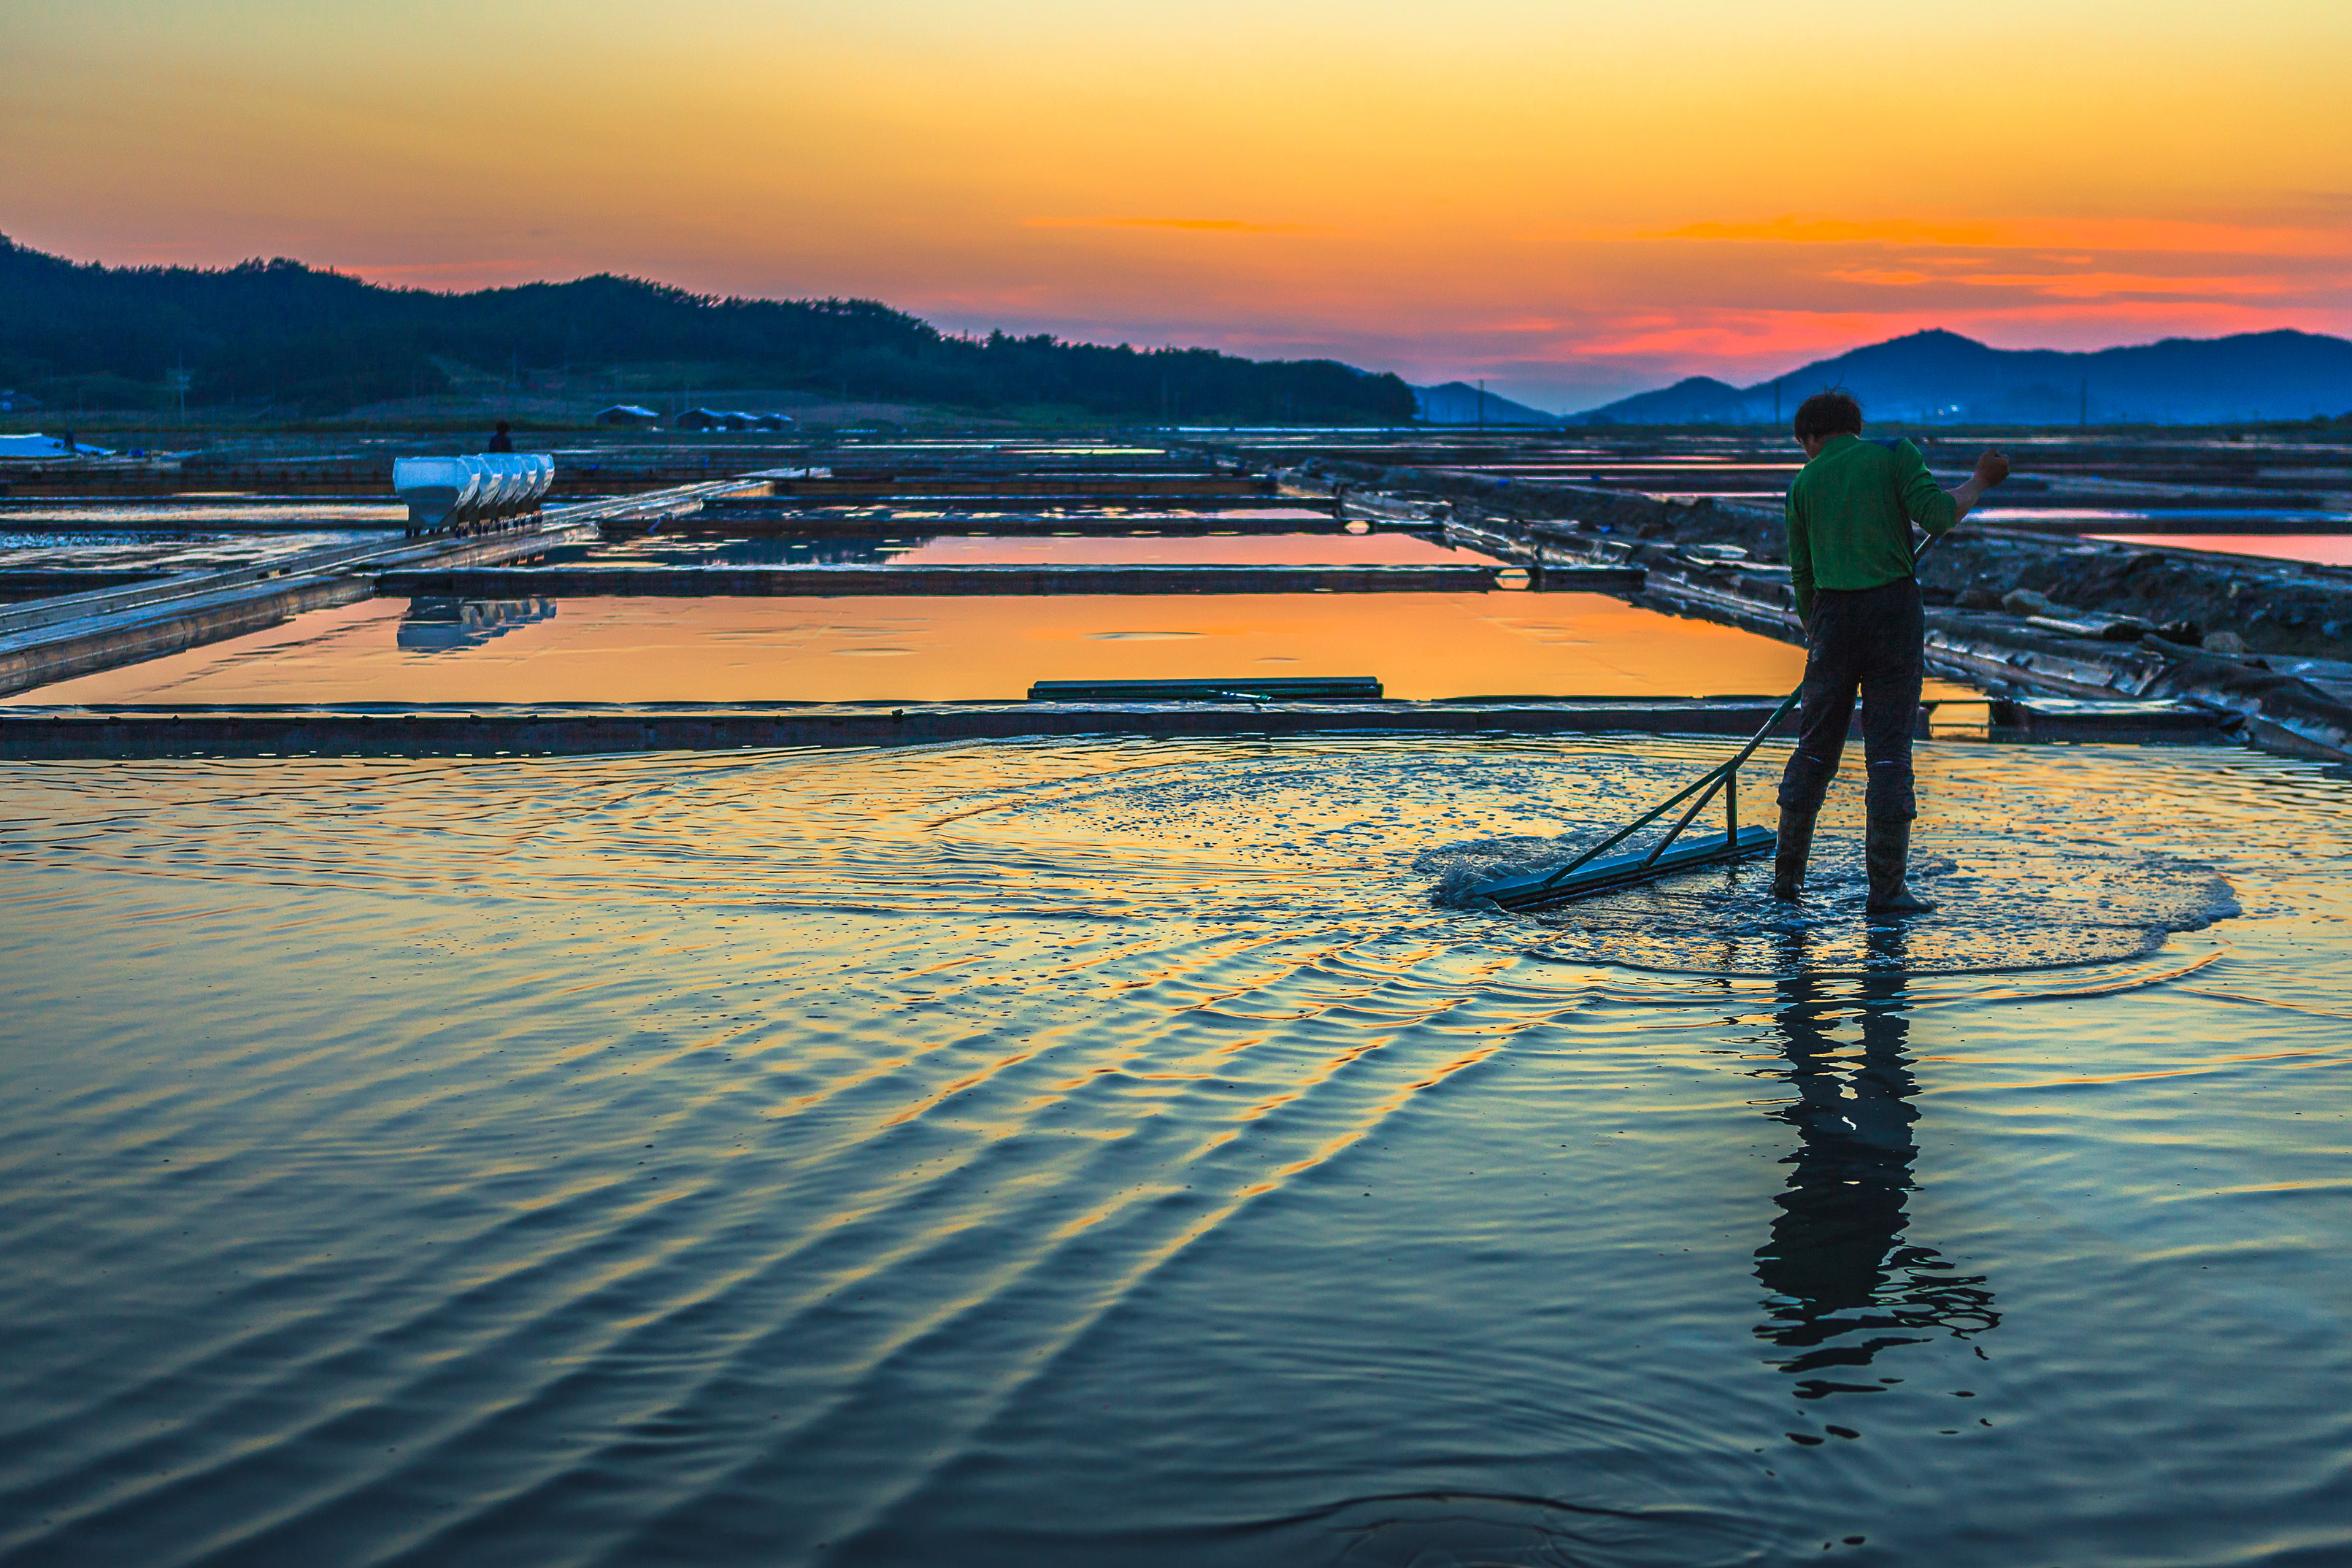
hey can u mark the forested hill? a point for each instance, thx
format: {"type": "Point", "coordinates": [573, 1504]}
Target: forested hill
{"type": "Point", "coordinates": [321, 342]}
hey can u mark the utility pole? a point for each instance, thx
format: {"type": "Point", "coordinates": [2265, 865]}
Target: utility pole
{"type": "Point", "coordinates": [1482, 406]}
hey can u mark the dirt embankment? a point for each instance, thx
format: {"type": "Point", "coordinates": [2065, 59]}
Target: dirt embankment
{"type": "Point", "coordinates": [2272, 607]}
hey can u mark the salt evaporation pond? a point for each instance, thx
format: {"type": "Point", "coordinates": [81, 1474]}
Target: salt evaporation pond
{"type": "Point", "coordinates": [1070, 1154]}
{"type": "Point", "coordinates": [159, 550]}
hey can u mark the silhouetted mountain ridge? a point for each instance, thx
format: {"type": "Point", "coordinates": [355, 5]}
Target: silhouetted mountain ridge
{"type": "Point", "coordinates": [1459, 402]}
{"type": "Point", "coordinates": [1941, 376]}
{"type": "Point", "coordinates": [316, 341]}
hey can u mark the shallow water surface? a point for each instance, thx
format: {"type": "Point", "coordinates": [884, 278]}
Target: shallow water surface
{"type": "Point", "coordinates": [2321, 548]}
{"type": "Point", "coordinates": [949, 648]}
{"type": "Point", "coordinates": [1074, 1153]}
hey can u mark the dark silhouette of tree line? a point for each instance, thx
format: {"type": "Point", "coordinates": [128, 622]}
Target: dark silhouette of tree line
{"type": "Point", "coordinates": [311, 341]}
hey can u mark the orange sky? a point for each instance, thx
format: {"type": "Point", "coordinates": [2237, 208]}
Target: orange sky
{"type": "Point", "coordinates": [1572, 199]}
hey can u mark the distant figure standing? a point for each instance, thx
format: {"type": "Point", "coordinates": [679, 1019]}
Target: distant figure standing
{"type": "Point", "coordinates": [503, 440]}
{"type": "Point", "coordinates": [1850, 515]}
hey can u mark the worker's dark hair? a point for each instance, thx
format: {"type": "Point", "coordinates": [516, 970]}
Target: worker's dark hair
{"type": "Point", "coordinates": [504, 426]}
{"type": "Point", "coordinates": [1831, 413]}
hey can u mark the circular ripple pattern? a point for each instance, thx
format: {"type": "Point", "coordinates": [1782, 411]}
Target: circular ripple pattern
{"type": "Point", "coordinates": [1399, 834]}
{"type": "Point", "coordinates": [1065, 1153]}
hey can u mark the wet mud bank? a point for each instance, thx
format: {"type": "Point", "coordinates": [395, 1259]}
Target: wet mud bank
{"type": "Point", "coordinates": [592, 728]}
{"type": "Point", "coordinates": [2024, 614]}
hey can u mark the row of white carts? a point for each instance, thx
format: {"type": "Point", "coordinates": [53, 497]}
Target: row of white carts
{"type": "Point", "coordinates": [453, 492]}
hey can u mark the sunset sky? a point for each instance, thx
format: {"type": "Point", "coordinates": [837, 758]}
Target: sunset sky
{"type": "Point", "coordinates": [1574, 200]}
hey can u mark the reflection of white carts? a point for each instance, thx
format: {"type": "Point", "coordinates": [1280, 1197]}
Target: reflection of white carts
{"type": "Point", "coordinates": [461, 494]}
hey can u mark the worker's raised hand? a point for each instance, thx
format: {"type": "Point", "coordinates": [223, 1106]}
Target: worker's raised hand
{"type": "Point", "coordinates": [1991, 468]}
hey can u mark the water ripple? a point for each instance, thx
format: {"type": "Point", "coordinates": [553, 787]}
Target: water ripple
{"type": "Point", "coordinates": [1068, 1152]}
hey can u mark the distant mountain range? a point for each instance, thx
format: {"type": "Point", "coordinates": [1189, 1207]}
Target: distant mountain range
{"type": "Point", "coordinates": [1459, 402]}
{"type": "Point", "coordinates": [1942, 377]}
{"type": "Point", "coordinates": [292, 339]}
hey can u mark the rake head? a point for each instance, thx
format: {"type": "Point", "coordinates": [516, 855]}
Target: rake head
{"type": "Point", "coordinates": [1542, 889]}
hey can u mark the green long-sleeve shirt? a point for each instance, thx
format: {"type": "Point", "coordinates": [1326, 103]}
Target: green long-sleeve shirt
{"type": "Point", "coordinates": [1850, 516]}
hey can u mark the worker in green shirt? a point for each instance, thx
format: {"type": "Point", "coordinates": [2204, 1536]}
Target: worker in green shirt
{"type": "Point", "coordinates": [1850, 516]}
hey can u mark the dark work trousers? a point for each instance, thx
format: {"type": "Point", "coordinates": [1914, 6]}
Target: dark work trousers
{"type": "Point", "coordinates": [1870, 638]}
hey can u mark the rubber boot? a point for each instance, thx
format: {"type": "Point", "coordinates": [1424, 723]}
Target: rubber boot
{"type": "Point", "coordinates": [1886, 852]}
{"type": "Point", "coordinates": [1795, 847]}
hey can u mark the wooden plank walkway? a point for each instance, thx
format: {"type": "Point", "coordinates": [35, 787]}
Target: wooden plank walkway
{"type": "Point", "coordinates": [736, 581]}
{"type": "Point", "coordinates": [1093, 490]}
{"type": "Point", "coordinates": [752, 522]}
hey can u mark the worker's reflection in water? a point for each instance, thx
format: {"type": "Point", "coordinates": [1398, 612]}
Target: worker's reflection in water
{"type": "Point", "coordinates": [1845, 1282]}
